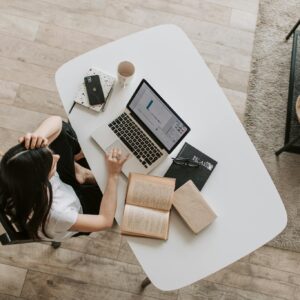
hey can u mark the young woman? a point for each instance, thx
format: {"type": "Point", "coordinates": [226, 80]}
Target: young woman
{"type": "Point", "coordinates": [46, 187]}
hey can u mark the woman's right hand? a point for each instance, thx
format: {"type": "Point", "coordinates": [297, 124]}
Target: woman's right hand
{"type": "Point", "coordinates": [32, 141]}
{"type": "Point", "coordinates": [115, 161]}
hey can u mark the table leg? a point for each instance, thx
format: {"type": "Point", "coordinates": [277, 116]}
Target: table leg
{"type": "Point", "coordinates": [55, 245]}
{"type": "Point", "coordinates": [145, 282]}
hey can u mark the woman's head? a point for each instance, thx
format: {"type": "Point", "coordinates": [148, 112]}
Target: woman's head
{"type": "Point", "coordinates": [24, 178]}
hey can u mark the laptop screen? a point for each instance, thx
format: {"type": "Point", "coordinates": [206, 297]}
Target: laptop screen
{"type": "Point", "coordinates": [157, 117]}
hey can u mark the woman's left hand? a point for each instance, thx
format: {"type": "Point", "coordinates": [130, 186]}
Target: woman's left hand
{"type": "Point", "coordinates": [32, 141]}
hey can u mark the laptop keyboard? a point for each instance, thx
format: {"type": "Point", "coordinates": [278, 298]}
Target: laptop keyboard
{"type": "Point", "coordinates": [136, 140]}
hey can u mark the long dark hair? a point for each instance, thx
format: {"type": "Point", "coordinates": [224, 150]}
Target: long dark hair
{"type": "Point", "coordinates": [25, 187]}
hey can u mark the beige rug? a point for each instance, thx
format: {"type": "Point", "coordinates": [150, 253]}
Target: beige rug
{"type": "Point", "coordinates": [266, 108]}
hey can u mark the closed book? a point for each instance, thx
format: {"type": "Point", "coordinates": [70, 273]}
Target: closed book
{"type": "Point", "coordinates": [192, 207]}
{"type": "Point", "coordinates": [198, 174]}
{"type": "Point", "coordinates": [107, 82]}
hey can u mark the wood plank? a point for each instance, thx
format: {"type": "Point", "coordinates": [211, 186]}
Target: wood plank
{"type": "Point", "coordinates": [11, 279]}
{"type": "Point", "coordinates": [238, 101]}
{"type": "Point", "coordinates": [214, 68]}
{"type": "Point", "coordinates": [10, 118]}
{"type": "Point", "coordinates": [8, 139]}
{"type": "Point", "coordinates": [39, 100]}
{"type": "Point", "coordinates": [36, 12]}
{"type": "Point", "coordinates": [9, 297]}
{"type": "Point", "coordinates": [205, 11]}
{"type": "Point", "coordinates": [82, 267]}
{"type": "Point", "coordinates": [209, 290]}
{"type": "Point", "coordinates": [196, 29]}
{"type": "Point", "coordinates": [233, 79]}
{"type": "Point", "coordinates": [69, 18]}
{"type": "Point", "coordinates": [223, 55]}
{"type": "Point", "coordinates": [44, 286]}
{"type": "Point", "coordinates": [18, 27]}
{"type": "Point", "coordinates": [8, 91]}
{"type": "Point", "coordinates": [28, 74]}
{"type": "Point", "coordinates": [243, 20]}
{"type": "Point", "coordinates": [125, 253]}
{"type": "Point", "coordinates": [244, 5]}
{"type": "Point", "coordinates": [34, 53]}
{"type": "Point", "coordinates": [105, 244]}
{"type": "Point", "coordinates": [68, 39]}
{"type": "Point", "coordinates": [259, 279]}
{"type": "Point", "coordinates": [277, 259]}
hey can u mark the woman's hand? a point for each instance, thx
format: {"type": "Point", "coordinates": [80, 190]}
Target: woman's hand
{"type": "Point", "coordinates": [115, 161]}
{"type": "Point", "coordinates": [32, 141]}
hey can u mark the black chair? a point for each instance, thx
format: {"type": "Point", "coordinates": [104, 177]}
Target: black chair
{"type": "Point", "coordinates": [14, 234]}
{"type": "Point", "coordinates": [292, 128]}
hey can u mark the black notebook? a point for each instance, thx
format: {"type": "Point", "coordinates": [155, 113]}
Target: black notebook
{"type": "Point", "coordinates": [198, 175]}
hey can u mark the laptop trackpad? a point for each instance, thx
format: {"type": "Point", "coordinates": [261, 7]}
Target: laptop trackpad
{"type": "Point", "coordinates": [119, 145]}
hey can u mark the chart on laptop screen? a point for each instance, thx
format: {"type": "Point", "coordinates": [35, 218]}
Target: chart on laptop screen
{"type": "Point", "coordinates": [154, 113]}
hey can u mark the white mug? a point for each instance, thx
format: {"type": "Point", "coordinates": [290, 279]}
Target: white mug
{"type": "Point", "coordinates": [126, 71]}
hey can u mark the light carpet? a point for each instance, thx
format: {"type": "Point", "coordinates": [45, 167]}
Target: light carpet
{"type": "Point", "coordinates": [266, 108]}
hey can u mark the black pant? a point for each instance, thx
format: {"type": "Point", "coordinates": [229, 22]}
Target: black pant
{"type": "Point", "coordinates": [66, 145]}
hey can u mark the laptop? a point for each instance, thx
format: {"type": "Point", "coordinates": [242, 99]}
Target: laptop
{"type": "Point", "coordinates": [149, 129]}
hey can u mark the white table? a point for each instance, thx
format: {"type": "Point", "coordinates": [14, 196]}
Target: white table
{"type": "Point", "coordinates": [250, 211]}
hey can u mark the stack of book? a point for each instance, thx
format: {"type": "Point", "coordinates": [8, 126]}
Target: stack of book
{"type": "Point", "coordinates": [107, 82]}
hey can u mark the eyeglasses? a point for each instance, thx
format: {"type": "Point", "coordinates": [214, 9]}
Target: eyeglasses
{"type": "Point", "coordinates": [181, 161]}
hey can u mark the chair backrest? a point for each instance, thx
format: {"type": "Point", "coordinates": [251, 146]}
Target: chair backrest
{"type": "Point", "coordinates": [13, 233]}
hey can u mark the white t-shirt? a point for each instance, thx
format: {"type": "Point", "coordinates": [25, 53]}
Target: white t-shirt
{"type": "Point", "coordinates": [63, 212]}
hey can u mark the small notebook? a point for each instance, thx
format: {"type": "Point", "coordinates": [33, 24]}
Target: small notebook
{"type": "Point", "coordinates": [192, 207]}
{"type": "Point", "coordinates": [107, 82]}
{"type": "Point", "coordinates": [198, 175]}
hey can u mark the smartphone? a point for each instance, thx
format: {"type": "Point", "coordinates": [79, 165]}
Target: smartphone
{"type": "Point", "coordinates": [94, 89]}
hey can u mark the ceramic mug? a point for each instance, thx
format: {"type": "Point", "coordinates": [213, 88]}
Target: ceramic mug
{"type": "Point", "coordinates": [126, 71]}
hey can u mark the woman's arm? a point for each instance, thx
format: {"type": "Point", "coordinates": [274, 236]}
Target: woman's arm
{"type": "Point", "coordinates": [44, 135]}
{"type": "Point", "coordinates": [105, 218]}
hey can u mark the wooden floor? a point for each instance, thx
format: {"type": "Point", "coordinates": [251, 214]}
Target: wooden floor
{"type": "Point", "coordinates": [37, 36]}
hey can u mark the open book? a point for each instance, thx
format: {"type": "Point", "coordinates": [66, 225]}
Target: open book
{"type": "Point", "coordinates": [148, 203]}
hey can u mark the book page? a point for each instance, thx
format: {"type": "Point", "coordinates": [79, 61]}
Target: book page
{"type": "Point", "coordinates": [145, 221]}
{"type": "Point", "coordinates": [150, 191]}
